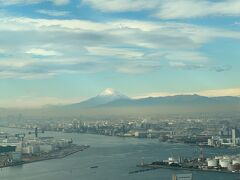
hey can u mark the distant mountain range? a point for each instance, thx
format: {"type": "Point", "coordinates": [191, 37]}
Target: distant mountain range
{"type": "Point", "coordinates": [110, 104]}
{"type": "Point", "coordinates": [112, 98]}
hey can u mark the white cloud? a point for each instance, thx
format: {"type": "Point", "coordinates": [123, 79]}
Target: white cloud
{"type": "Point", "coordinates": [26, 2]}
{"type": "Point", "coordinates": [117, 52]}
{"type": "Point", "coordinates": [121, 5]}
{"type": "Point", "coordinates": [46, 67]}
{"type": "Point", "coordinates": [156, 94]}
{"type": "Point", "coordinates": [187, 56]}
{"type": "Point", "coordinates": [208, 93]}
{"type": "Point", "coordinates": [23, 2]}
{"type": "Point", "coordinates": [126, 46]}
{"type": "Point", "coordinates": [170, 9]}
{"type": "Point", "coordinates": [61, 2]}
{"type": "Point", "coordinates": [53, 12]}
{"type": "Point", "coordinates": [18, 24]}
{"type": "Point", "coordinates": [15, 63]}
{"type": "Point", "coordinates": [188, 66]}
{"type": "Point", "coordinates": [128, 28]}
{"type": "Point", "coordinates": [193, 9]}
{"type": "Point", "coordinates": [221, 92]}
{"type": "Point", "coordinates": [43, 52]}
{"type": "Point", "coordinates": [187, 60]}
{"type": "Point", "coordinates": [137, 68]}
{"type": "Point", "coordinates": [177, 64]}
{"type": "Point", "coordinates": [164, 9]}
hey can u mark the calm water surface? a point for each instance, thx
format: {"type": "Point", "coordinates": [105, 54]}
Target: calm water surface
{"type": "Point", "coordinates": [114, 156]}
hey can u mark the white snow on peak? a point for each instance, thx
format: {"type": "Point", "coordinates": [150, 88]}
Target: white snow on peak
{"type": "Point", "coordinates": [108, 92]}
{"type": "Point", "coordinates": [113, 94]}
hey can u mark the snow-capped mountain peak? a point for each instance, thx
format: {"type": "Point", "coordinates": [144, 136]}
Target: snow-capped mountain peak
{"type": "Point", "coordinates": [111, 93]}
{"type": "Point", "coordinates": [108, 92]}
{"type": "Point", "coordinates": [108, 95]}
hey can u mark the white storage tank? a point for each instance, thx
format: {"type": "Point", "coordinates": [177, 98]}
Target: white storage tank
{"type": "Point", "coordinates": [212, 162]}
{"type": "Point", "coordinates": [172, 160]}
{"type": "Point", "coordinates": [236, 161]}
{"type": "Point", "coordinates": [224, 163]}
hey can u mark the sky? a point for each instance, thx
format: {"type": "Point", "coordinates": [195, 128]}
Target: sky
{"type": "Point", "coordinates": [65, 51]}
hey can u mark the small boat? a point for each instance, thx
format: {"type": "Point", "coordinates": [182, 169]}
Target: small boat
{"type": "Point", "coordinates": [93, 167]}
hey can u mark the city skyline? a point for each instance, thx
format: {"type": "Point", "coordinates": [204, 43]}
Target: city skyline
{"type": "Point", "coordinates": [61, 51]}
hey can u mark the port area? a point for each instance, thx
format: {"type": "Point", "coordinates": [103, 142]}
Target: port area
{"type": "Point", "coordinates": [197, 166]}
{"type": "Point", "coordinates": [57, 154]}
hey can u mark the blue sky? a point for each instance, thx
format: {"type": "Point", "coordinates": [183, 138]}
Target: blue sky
{"type": "Point", "coordinates": [63, 51]}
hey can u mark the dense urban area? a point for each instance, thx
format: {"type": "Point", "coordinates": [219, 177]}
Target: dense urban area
{"type": "Point", "coordinates": [204, 129]}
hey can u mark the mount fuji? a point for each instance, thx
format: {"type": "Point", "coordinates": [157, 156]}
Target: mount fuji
{"type": "Point", "coordinates": [107, 96]}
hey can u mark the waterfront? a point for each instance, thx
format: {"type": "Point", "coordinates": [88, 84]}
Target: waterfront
{"type": "Point", "coordinates": [115, 158]}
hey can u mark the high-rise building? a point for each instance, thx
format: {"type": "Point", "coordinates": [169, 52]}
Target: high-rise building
{"type": "Point", "coordinates": [234, 137]}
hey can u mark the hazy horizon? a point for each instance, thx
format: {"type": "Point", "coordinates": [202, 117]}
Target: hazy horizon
{"type": "Point", "coordinates": [210, 93]}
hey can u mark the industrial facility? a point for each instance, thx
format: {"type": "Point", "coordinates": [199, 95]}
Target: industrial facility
{"type": "Point", "coordinates": [14, 148]}
{"type": "Point", "coordinates": [226, 138]}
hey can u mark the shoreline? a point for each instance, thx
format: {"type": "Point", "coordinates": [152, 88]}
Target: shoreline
{"type": "Point", "coordinates": [58, 154]}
